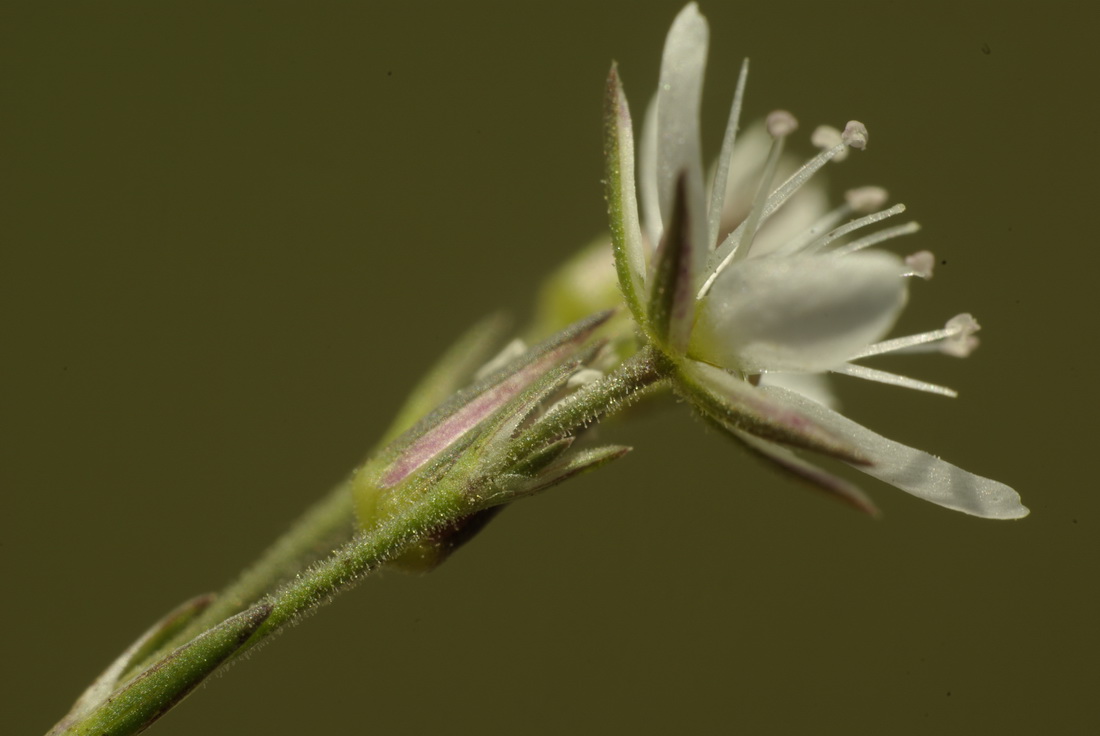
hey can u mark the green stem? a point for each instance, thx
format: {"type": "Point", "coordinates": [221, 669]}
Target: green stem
{"type": "Point", "coordinates": [443, 505]}
{"type": "Point", "coordinates": [389, 537]}
{"type": "Point", "coordinates": [326, 524]}
{"type": "Point", "coordinates": [644, 371]}
{"type": "Point", "coordinates": [217, 636]}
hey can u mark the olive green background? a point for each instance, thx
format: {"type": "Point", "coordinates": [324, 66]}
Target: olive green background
{"type": "Point", "coordinates": [234, 233]}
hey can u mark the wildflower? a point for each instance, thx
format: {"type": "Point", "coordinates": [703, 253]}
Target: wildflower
{"type": "Point", "coordinates": [752, 318]}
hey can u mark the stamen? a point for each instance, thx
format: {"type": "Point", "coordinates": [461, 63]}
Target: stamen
{"type": "Point", "coordinates": [866, 242]}
{"type": "Point", "coordinates": [855, 135]}
{"type": "Point", "coordinates": [956, 338]}
{"type": "Point", "coordinates": [866, 199]}
{"type": "Point", "coordinates": [871, 374]}
{"type": "Point", "coordinates": [961, 342]}
{"type": "Point", "coordinates": [862, 222]}
{"type": "Point", "coordinates": [826, 136]}
{"type": "Point", "coordinates": [863, 199]}
{"type": "Point", "coordinates": [721, 171]}
{"type": "Point", "coordinates": [777, 199]}
{"type": "Point", "coordinates": [920, 264]}
{"type": "Point", "coordinates": [780, 124]}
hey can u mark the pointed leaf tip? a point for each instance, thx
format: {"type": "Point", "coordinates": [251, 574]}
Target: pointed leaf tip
{"type": "Point", "coordinates": [445, 426]}
{"type": "Point", "coordinates": [672, 298]}
{"type": "Point", "coordinates": [735, 403]}
{"type": "Point", "coordinates": [147, 697]}
{"type": "Point", "coordinates": [786, 460]}
{"type": "Point", "coordinates": [622, 202]}
{"type": "Point", "coordinates": [151, 640]}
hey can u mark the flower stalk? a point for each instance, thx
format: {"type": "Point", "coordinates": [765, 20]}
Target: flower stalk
{"type": "Point", "coordinates": [512, 445]}
{"type": "Point", "coordinates": [742, 300]}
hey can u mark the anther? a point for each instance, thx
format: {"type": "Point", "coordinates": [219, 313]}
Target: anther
{"type": "Point", "coordinates": [920, 264]}
{"type": "Point", "coordinates": [855, 135]}
{"type": "Point", "coordinates": [781, 124]}
{"type": "Point", "coordinates": [865, 200]}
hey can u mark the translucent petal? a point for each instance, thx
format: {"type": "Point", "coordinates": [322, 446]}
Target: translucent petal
{"type": "Point", "coordinates": [678, 99]}
{"type": "Point", "coordinates": [912, 470]}
{"type": "Point", "coordinates": [679, 150]}
{"type": "Point", "coordinates": [814, 386]}
{"type": "Point", "coordinates": [647, 176]}
{"type": "Point", "coordinates": [799, 314]}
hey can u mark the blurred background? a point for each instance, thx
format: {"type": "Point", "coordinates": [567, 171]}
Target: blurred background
{"type": "Point", "coordinates": [233, 235]}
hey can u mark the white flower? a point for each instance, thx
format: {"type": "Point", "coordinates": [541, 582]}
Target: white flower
{"type": "Point", "coordinates": [753, 316]}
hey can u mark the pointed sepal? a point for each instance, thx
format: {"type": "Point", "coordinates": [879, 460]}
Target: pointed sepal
{"type": "Point", "coordinates": [451, 372]}
{"type": "Point", "coordinates": [622, 201]}
{"type": "Point", "coordinates": [135, 705]}
{"type": "Point", "coordinates": [446, 427]}
{"type": "Point", "coordinates": [671, 308]}
{"type": "Point", "coordinates": [156, 635]}
{"type": "Point", "coordinates": [733, 403]}
{"type": "Point", "coordinates": [786, 460]}
{"type": "Point", "coordinates": [512, 486]}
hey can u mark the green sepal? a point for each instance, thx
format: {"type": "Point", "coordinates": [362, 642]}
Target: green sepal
{"type": "Point", "coordinates": [542, 457]}
{"type": "Point", "coordinates": [513, 486]}
{"type": "Point", "coordinates": [433, 550]}
{"type": "Point", "coordinates": [817, 478]}
{"type": "Point", "coordinates": [451, 372]}
{"type": "Point", "coordinates": [735, 404]}
{"type": "Point", "coordinates": [155, 636]}
{"type": "Point", "coordinates": [671, 308]}
{"type": "Point", "coordinates": [448, 429]}
{"type": "Point", "coordinates": [622, 202]}
{"type": "Point", "coordinates": [135, 705]}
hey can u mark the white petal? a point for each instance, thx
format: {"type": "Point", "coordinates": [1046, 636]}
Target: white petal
{"type": "Point", "coordinates": [678, 98]}
{"type": "Point", "coordinates": [647, 177]}
{"type": "Point", "coordinates": [815, 386]}
{"type": "Point", "coordinates": [679, 95]}
{"type": "Point", "coordinates": [912, 470]}
{"type": "Point", "coordinates": [800, 314]}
